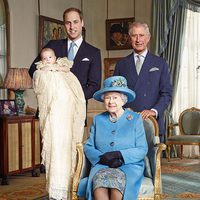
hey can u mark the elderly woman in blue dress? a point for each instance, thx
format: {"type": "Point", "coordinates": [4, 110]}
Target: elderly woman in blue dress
{"type": "Point", "coordinates": [116, 146]}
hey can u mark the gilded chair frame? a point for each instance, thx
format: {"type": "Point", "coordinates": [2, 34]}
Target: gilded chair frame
{"type": "Point", "coordinates": [194, 139]}
{"type": "Point", "coordinates": [157, 194]}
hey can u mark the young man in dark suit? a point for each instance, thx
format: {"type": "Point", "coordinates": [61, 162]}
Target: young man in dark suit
{"type": "Point", "coordinates": [87, 60]}
{"type": "Point", "coordinates": [147, 75]}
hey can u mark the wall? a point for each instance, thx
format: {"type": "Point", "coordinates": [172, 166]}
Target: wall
{"type": "Point", "coordinates": [24, 27]}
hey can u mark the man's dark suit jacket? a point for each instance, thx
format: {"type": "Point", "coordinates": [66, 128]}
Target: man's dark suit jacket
{"type": "Point", "coordinates": [152, 87]}
{"type": "Point", "coordinates": [86, 67]}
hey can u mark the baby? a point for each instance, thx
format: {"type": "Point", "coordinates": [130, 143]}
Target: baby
{"type": "Point", "coordinates": [62, 112]}
{"type": "Point", "coordinates": [49, 63]}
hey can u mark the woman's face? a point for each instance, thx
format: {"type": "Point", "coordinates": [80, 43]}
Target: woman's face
{"type": "Point", "coordinates": [113, 102]}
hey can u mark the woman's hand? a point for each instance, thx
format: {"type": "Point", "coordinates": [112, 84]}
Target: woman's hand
{"type": "Point", "coordinates": [113, 159]}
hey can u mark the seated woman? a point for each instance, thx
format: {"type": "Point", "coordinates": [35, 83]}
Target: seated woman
{"type": "Point", "coordinates": [116, 146]}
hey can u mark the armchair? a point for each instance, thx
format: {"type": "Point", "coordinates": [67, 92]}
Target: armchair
{"type": "Point", "coordinates": [189, 130]}
{"type": "Point", "coordinates": [151, 185]}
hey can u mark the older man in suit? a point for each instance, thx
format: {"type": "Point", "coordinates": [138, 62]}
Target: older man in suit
{"type": "Point", "coordinates": [146, 74]}
{"type": "Point", "coordinates": [87, 58]}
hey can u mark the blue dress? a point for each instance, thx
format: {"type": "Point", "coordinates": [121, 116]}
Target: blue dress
{"type": "Point", "coordinates": [127, 135]}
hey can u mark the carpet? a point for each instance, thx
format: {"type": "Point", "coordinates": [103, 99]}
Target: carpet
{"type": "Point", "coordinates": [23, 187]}
{"type": "Point", "coordinates": [181, 179]}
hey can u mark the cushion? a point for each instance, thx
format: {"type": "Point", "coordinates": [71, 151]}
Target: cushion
{"type": "Point", "coordinates": [147, 187]}
{"type": "Point", "coordinates": [185, 138]}
{"type": "Point", "coordinates": [147, 169]}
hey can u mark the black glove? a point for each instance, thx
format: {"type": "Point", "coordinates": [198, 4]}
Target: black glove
{"type": "Point", "coordinates": [103, 161]}
{"type": "Point", "coordinates": [111, 155]}
{"type": "Point", "coordinates": [115, 163]}
{"type": "Point", "coordinates": [107, 158]}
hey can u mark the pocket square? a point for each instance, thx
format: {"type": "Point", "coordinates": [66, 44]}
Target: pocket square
{"type": "Point", "coordinates": [85, 59]}
{"type": "Point", "coordinates": [153, 69]}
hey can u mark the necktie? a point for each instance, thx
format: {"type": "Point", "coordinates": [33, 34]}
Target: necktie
{"type": "Point", "coordinates": [71, 51]}
{"type": "Point", "coordinates": [138, 64]}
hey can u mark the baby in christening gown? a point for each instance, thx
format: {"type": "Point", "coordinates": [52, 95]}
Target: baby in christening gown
{"type": "Point", "coordinates": [62, 112]}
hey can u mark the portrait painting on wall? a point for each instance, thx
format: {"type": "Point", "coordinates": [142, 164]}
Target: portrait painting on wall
{"type": "Point", "coordinates": [50, 29]}
{"type": "Point", "coordinates": [117, 36]}
{"type": "Point", "coordinates": [8, 107]}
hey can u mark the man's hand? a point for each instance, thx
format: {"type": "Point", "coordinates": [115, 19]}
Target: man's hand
{"type": "Point", "coordinates": [146, 113]}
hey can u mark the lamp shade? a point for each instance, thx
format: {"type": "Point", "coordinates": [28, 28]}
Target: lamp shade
{"type": "Point", "coordinates": [17, 79]}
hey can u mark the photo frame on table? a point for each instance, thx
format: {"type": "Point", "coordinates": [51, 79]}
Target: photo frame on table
{"type": "Point", "coordinates": [8, 107]}
{"type": "Point", "coordinates": [51, 29]}
{"type": "Point", "coordinates": [109, 66]}
{"type": "Point", "coordinates": [117, 37]}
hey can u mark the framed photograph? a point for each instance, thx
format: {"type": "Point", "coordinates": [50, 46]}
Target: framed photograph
{"type": "Point", "coordinates": [51, 29]}
{"type": "Point", "coordinates": [8, 107]}
{"type": "Point", "coordinates": [109, 66]}
{"type": "Point", "coordinates": [117, 37]}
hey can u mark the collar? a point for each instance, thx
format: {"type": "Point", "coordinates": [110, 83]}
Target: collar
{"type": "Point", "coordinates": [143, 54]}
{"type": "Point", "coordinates": [77, 42]}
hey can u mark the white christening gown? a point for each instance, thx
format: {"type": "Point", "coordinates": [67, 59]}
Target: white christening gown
{"type": "Point", "coordinates": [62, 112]}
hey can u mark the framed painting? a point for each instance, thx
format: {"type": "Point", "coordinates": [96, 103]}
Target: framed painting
{"type": "Point", "coordinates": [8, 107]}
{"type": "Point", "coordinates": [109, 66]}
{"type": "Point", "coordinates": [52, 29]}
{"type": "Point", "coordinates": [117, 36]}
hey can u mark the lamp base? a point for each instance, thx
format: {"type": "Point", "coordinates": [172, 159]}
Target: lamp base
{"type": "Point", "coordinates": [19, 101]}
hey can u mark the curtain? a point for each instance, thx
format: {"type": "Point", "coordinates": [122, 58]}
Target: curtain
{"type": "Point", "coordinates": [169, 36]}
{"type": "Point", "coordinates": [168, 31]}
{"type": "Point", "coordinates": [193, 5]}
{"type": "Point", "coordinates": [188, 91]}
{"type": "Point", "coordinates": [3, 64]}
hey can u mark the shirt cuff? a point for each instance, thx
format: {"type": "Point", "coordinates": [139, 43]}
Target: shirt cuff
{"type": "Point", "coordinates": [155, 112]}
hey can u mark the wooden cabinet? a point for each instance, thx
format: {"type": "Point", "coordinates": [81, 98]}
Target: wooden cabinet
{"type": "Point", "coordinates": [19, 145]}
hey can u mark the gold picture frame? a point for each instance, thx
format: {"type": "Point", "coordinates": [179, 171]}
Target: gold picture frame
{"type": "Point", "coordinates": [109, 66]}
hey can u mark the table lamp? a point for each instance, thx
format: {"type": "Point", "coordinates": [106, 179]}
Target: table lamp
{"type": "Point", "coordinates": [18, 79]}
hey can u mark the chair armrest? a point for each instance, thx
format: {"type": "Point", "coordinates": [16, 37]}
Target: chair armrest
{"type": "Point", "coordinates": [77, 173]}
{"type": "Point", "coordinates": [157, 180]}
{"type": "Point", "coordinates": [171, 127]}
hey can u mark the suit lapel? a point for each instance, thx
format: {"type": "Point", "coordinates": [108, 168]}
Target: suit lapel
{"type": "Point", "coordinates": [144, 73]}
{"type": "Point", "coordinates": [64, 48]}
{"type": "Point", "coordinates": [131, 71]}
{"type": "Point", "coordinates": [80, 51]}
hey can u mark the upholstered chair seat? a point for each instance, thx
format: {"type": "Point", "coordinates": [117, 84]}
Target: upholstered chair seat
{"type": "Point", "coordinates": [189, 130]}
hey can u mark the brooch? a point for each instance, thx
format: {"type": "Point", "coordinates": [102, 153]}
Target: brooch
{"type": "Point", "coordinates": [129, 117]}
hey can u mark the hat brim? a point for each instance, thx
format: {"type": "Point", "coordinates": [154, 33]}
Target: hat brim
{"type": "Point", "coordinates": [129, 93]}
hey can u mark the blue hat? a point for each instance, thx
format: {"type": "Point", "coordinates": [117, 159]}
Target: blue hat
{"type": "Point", "coordinates": [115, 84]}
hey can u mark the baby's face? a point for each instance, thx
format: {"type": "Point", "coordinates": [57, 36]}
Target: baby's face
{"type": "Point", "coordinates": [48, 57]}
